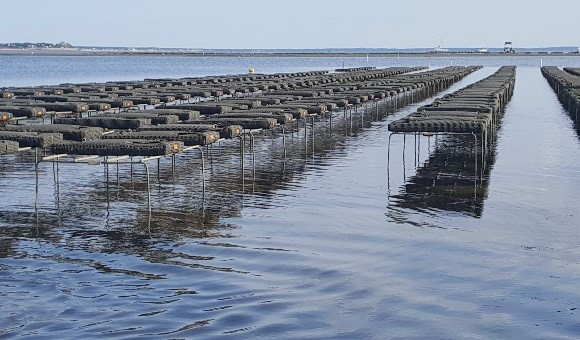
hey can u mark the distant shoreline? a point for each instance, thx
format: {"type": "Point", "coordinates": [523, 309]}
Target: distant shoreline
{"type": "Point", "coordinates": [92, 53]}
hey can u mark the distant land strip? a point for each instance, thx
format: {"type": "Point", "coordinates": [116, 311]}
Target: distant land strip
{"type": "Point", "coordinates": [75, 52]}
{"type": "Point", "coordinates": [66, 49]}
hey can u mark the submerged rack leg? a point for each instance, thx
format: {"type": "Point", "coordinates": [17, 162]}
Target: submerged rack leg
{"type": "Point", "coordinates": [283, 140]}
{"type": "Point", "coordinates": [482, 155]}
{"type": "Point", "coordinates": [475, 151]}
{"type": "Point", "coordinates": [389, 160]}
{"type": "Point", "coordinates": [419, 149]}
{"type": "Point", "coordinates": [404, 165]}
{"type": "Point", "coordinates": [173, 165]}
{"type": "Point", "coordinates": [253, 155]}
{"type": "Point", "coordinates": [242, 156]}
{"type": "Point", "coordinates": [331, 123]}
{"type": "Point", "coordinates": [312, 134]}
{"type": "Point", "coordinates": [117, 168]}
{"type": "Point", "coordinates": [350, 118]}
{"type": "Point", "coordinates": [305, 137]}
{"type": "Point", "coordinates": [415, 150]}
{"type": "Point", "coordinates": [107, 176]}
{"type": "Point", "coordinates": [57, 183]}
{"type": "Point", "coordinates": [158, 170]}
{"type": "Point", "coordinates": [148, 188]}
{"type": "Point", "coordinates": [36, 174]}
{"type": "Point", "coordinates": [202, 171]}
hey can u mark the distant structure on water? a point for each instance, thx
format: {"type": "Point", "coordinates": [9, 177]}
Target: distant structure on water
{"type": "Point", "coordinates": [508, 48]}
{"type": "Point", "coordinates": [483, 49]}
{"type": "Point", "coordinates": [440, 48]}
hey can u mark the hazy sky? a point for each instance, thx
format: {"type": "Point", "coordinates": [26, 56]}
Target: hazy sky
{"type": "Point", "coordinates": [293, 23]}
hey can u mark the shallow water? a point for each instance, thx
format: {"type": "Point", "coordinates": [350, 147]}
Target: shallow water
{"type": "Point", "coordinates": [327, 244]}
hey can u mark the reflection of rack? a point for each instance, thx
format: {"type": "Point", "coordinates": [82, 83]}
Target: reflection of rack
{"type": "Point", "coordinates": [450, 179]}
{"type": "Point", "coordinates": [478, 152]}
{"type": "Point", "coordinates": [268, 171]}
{"type": "Point", "coordinates": [474, 110]}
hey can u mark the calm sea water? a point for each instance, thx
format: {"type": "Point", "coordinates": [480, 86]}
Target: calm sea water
{"type": "Point", "coordinates": [324, 244]}
{"type": "Point", "coordinates": [49, 70]}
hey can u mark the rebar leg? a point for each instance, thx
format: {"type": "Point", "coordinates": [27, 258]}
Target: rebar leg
{"type": "Point", "coordinates": [107, 175]}
{"type": "Point", "coordinates": [202, 171]}
{"type": "Point", "coordinates": [350, 119]}
{"type": "Point", "coordinates": [415, 149]}
{"type": "Point", "coordinates": [148, 188]}
{"type": "Point", "coordinates": [117, 166]}
{"type": "Point", "coordinates": [389, 160]}
{"type": "Point", "coordinates": [305, 138]}
{"type": "Point", "coordinates": [312, 133]}
{"type": "Point", "coordinates": [36, 175]}
{"type": "Point", "coordinates": [404, 165]}
{"type": "Point", "coordinates": [419, 149]}
{"type": "Point", "coordinates": [475, 158]}
{"type": "Point", "coordinates": [173, 166]}
{"type": "Point", "coordinates": [242, 155]}
{"type": "Point", "coordinates": [57, 183]}
{"type": "Point", "coordinates": [253, 155]}
{"type": "Point", "coordinates": [283, 140]}
{"type": "Point", "coordinates": [331, 123]}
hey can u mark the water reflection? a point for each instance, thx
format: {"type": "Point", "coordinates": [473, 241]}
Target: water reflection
{"type": "Point", "coordinates": [99, 259]}
{"type": "Point", "coordinates": [7, 248]}
{"type": "Point", "coordinates": [451, 180]}
{"type": "Point", "coordinates": [44, 70]}
{"type": "Point", "coordinates": [104, 197]}
{"type": "Point", "coordinates": [324, 263]}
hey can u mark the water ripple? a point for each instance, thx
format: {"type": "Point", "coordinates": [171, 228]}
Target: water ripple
{"type": "Point", "coordinates": [314, 246]}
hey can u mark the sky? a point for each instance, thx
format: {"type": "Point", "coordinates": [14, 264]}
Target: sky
{"type": "Point", "coordinates": [263, 24]}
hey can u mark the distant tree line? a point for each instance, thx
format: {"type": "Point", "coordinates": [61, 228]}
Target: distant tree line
{"type": "Point", "coordinates": [25, 45]}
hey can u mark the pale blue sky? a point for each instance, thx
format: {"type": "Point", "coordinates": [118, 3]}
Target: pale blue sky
{"type": "Point", "coordinates": [293, 23]}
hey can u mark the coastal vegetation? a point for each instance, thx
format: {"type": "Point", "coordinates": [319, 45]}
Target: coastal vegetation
{"type": "Point", "coordinates": [28, 45]}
